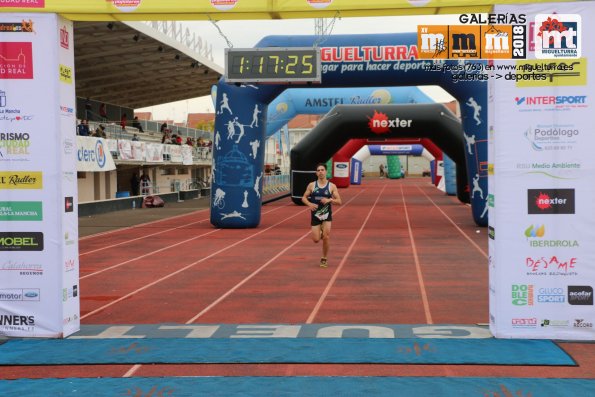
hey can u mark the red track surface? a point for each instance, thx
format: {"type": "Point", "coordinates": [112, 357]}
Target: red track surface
{"type": "Point", "coordinates": [402, 252]}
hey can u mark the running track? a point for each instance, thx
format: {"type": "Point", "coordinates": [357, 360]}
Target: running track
{"type": "Point", "coordinates": [402, 252]}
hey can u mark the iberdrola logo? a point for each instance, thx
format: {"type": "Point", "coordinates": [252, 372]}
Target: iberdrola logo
{"type": "Point", "coordinates": [535, 231]}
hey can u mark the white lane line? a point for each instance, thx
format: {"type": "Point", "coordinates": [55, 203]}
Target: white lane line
{"type": "Point", "coordinates": [420, 277]}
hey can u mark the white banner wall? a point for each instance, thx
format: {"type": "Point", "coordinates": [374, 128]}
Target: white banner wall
{"type": "Point", "coordinates": [38, 236]}
{"type": "Point", "coordinates": [542, 188]}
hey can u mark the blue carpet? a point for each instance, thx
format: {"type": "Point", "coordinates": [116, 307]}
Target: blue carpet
{"type": "Point", "coordinates": [283, 350]}
{"type": "Point", "coordinates": [300, 386]}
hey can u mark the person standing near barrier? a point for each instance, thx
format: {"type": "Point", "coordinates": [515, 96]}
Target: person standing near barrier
{"type": "Point", "coordinates": [319, 197]}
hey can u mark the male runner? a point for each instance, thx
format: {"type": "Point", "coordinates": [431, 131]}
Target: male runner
{"type": "Point", "coordinates": [319, 196]}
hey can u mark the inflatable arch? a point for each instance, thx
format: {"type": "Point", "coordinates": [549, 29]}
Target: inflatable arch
{"type": "Point", "coordinates": [347, 61]}
{"type": "Point", "coordinates": [345, 122]}
{"type": "Point", "coordinates": [386, 149]}
{"type": "Point", "coordinates": [296, 101]}
{"type": "Point", "coordinates": [344, 155]}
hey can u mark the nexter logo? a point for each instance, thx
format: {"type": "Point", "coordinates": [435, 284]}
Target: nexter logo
{"type": "Point", "coordinates": [379, 123]}
{"type": "Point", "coordinates": [557, 36]}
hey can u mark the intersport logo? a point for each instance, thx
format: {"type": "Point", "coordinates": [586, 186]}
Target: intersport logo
{"type": "Point", "coordinates": [551, 100]}
{"type": "Point", "coordinates": [550, 201]}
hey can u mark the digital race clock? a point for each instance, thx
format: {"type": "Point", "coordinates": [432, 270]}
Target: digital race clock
{"type": "Point", "coordinates": [272, 65]}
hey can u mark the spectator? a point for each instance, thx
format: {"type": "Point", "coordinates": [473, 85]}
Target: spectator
{"type": "Point", "coordinates": [189, 141]}
{"type": "Point", "coordinates": [100, 132]}
{"type": "Point", "coordinates": [135, 137]}
{"type": "Point", "coordinates": [163, 128]}
{"type": "Point", "coordinates": [103, 112]}
{"type": "Point", "coordinates": [83, 128]}
{"type": "Point", "coordinates": [145, 184]}
{"type": "Point", "coordinates": [123, 121]}
{"type": "Point", "coordinates": [134, 184]}
{"type": "Point", "coordinates": [178, 140]}
{"type": "Point", "coordinates": [166, 138]}
{"type": "Point", "coordinates": [136, 124]}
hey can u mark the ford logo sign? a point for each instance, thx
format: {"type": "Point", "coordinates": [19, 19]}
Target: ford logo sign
{"type": "Point", "coordinates": [341, 165]}
{"type": "Point", "coordinates": [31, 294]}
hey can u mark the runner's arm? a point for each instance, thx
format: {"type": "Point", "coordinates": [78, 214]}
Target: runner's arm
{"type": "Point", "coordinates": [307, 194]}
{"type": "Point", "coordinates": [336, 199]}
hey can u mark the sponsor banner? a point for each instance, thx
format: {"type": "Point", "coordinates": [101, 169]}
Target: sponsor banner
{"type": "Point", "coordinates": [550, 201]}
{"type": "Point", "coordinates": [580, 295]}
{"type": "Point", "coordinates": [14, 146]}
{"type": "Point", "coordinates": [93, 155]}
{"type": "Point", "coordinates": [21, 211]}
{"type": "Point", "coordinates": [540, 148]}
{"type": "Point", "coordinates": [341, 169]}
{"type": "Point", "coordinates": [19, 294]}
{"type": "Point", "coordinates": [38, 184]}
{"type": "Point", "coordinates": [17, 27]}
{"type": "Point", "coordinates": [66, 74]}
{"type": "Point", "coordinates": [16, 60]}
{"type": "Point", "coordinates": [21, 241]}
{"type": "Point", "coordinates": [21, 180]}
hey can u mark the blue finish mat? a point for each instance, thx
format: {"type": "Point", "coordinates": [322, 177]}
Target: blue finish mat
{"type": "Point", "coordinates": [283, 350]}
{"type": "Point", "coordinates": [300, 386]}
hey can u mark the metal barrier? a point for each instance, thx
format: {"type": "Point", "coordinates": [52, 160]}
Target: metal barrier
{"type": "Point", "coordinates": [275, 184]}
